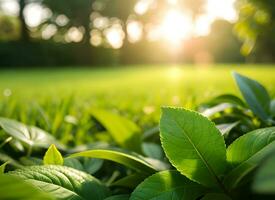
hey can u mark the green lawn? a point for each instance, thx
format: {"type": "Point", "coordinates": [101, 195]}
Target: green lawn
{"type": "Point", "coordinates": [51, 98]}
{"type": "Point", "coordinates": [138, 92]}
{"type": "Point", "coordinates": [138, 80]}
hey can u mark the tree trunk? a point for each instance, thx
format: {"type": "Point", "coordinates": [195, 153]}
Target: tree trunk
{"type": "Point", "coordinates": [24, 28]}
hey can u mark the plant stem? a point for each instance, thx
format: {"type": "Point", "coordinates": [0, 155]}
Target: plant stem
{"type": "Point", "coordinates": [29, 152]}
{"type": "Point", "coordinates": [5, 142]}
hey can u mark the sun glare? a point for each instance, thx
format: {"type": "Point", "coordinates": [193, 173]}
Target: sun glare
{"type": "Point", "coordinates": [174, 73]}
{"type": "Point", "coordinates": [176, 26]}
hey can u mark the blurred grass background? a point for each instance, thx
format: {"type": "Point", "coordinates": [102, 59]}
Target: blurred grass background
{"type": "Point", "coordinates": [59, 100]}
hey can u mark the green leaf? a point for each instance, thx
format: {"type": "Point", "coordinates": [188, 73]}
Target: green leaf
{"type": "Point", "coordinates": [14, 188]}
{"type": "Point", "coordinates": [255, 95]}
{"type": "Point", "coordinates": [53, 156]}
{"type": "Point", "coordinates": [125, 132]}
{"type": "Point", "coordinates": [150, 133]}
{"type": "Point", "coordinates": [30, 135]}
{"type": "Point", "coordinates": [118, 197]}
{"type": "Point", "coordinates": [228, 98]}
{"type": "Point", "coordinates": [193, 145]}
{"type": "Point", "coordinates": [128, 160]}
{"type": "Point", "coordinates": [73, 163]}
{"type": "Point", "coordinates": [167, 185]}
{"type": "Point", "coordinates": [29, 161]}
{"type": "Point", "coordinates": [131, 181]}
{"type": "Point", "coordinates": [272, 107]}
{"type": "Point", "coordinates": [152, 150]}
{"type": "Point", "coordinates": [264, 179]}
{"type": "Point", "coordinates": [6, 158]}
{"type": "Point", "coordinates": [63, 182]}
{"type": "Point", "coordinates": [216, 196]}
{"type": "Point", "coordinates": [226, 128]}
{"type": "Point", "coordinates": [92, 165]}
{"type": "Point", "coordinates": [247, 152]}
{"type": "Point", "coordinates": [2, 167]}
{"type": "Point", "coordinates": [216, 109]}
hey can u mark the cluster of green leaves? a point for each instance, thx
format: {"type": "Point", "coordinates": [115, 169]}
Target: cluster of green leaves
{"type": "Point", "coordinates": [189, 161]}
{"type": "Point", "coordinates": [235, 116]}
{"type": "Point", "coordinates": [203, 167]}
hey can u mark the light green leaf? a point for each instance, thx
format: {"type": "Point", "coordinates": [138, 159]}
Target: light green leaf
{"type": "Point", "coordinates": [53, 156]}
{"type": "Point", "coordinates": [30, 135]}
{"type": "Point", "coordinates": [2, 167]}
{"type": "Point", "coordinates": [193, 145]}
{"type": "Point", "coordinates": [226, 128]}
{"type": "Point", "coordinates": [255, 95]}
{"type": "Point", "coordinates": [167, 185]}
{"type": "Point", "coordinates": [125, 132]}
{"type": "Point", "coordinates": [216, 196]}
{"type": "Point", "coordinates": [216, 109]}
{"type": "Point", "coordinates": [63, 182]}
{"type": "Point", "coordinates": [14, 188]}
{"type": "Point", "coordinates": [247, 152]}
{"type": "Point", "coordinates": [128, 160]}
{"type": "Point", "coordinates": [264, 179]}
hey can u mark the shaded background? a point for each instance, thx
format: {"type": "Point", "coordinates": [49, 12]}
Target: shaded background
{"type": "Point", "coordinates": [119, 32]}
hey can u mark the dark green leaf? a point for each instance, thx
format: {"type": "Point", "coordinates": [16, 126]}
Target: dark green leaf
{"type": "Point", "coordinates": [130, 181]}
{"type": "Point", "coordinates": [264, 180]}
{"type": "Point", "coordinates": [152, 150]}
{"type": "Point", "coordinates": [167, 185]}
{"type": "Point", "coordinates": [216, 196]}
{"type": "Point", "coordinates": [255, 95]}
{"type": "Point", "coordinates": [228, 98]}
{"type": "Point", "coordinates": [118, 197]}
{"type": "Point", "coordinates": [29, 161]}
{"type": "Point", "coordinates": [73, 163]}
{"type": "Point", "coordinates": [92, 165]}
{"type": "Point", "coordinates": [247, 152]}
{"type": "Point", "coordinates": [272, 107]}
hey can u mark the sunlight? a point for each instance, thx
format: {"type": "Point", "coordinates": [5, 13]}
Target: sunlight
{"type": "Point", "coordinates": [221, 9]}
{"type": "Point", "coordinates": [115, 36]}
{"type": "Point", "coordinates": [176, 26]}
{"type": "Point", "coordinates": [134, 30]}
{"type": "Point", "coordinates": [174, 73]}
{"type": "Point", "coordinates": [36, 14]}
{"type": "Point", "coordinates": [10, 7]}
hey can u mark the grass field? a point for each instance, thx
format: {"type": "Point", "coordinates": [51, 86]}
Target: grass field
{"type": "Point", "coordinates": [183, 81]}
{"type": "Point", "coordinates": [45, 97]}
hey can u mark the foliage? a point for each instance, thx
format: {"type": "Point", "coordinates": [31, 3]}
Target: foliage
{"type": "Point", "coordinates": [255, 27]}
{"type": "Point", "coordinates": [241, 116]}
{"type": "Point", "coordinates": [197, 163]}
